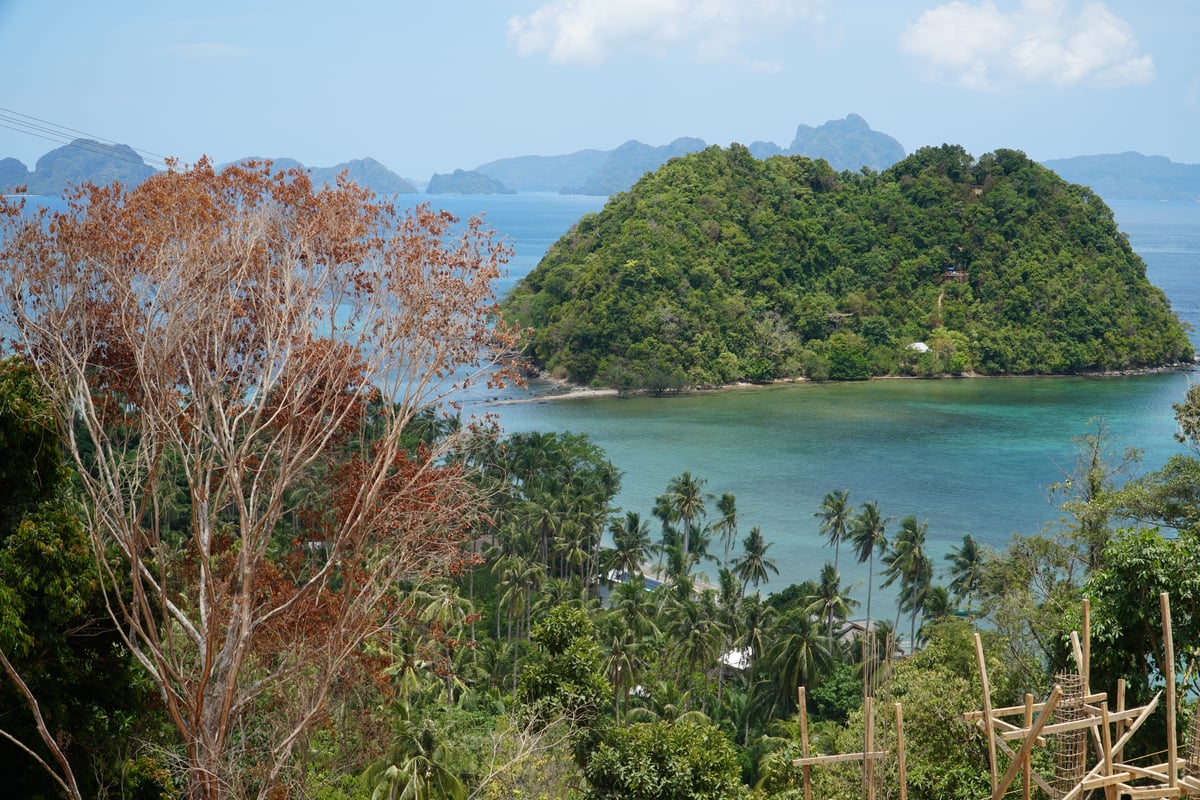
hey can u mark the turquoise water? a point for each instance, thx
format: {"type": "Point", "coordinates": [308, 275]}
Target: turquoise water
{"type": "Point", "coordinates": [969, 456]}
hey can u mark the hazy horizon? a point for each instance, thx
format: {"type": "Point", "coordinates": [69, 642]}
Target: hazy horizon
{"type": "Point", "coordinates": [434, 87]}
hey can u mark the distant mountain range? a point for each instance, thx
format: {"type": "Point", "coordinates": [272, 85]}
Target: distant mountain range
{"type": "Point", "coordinates": [82, 160]}
{"type": "Point", "coordinates": [847, 144]}
{"type": "Point", "coordinates": [1131, 176]}
{"type": "Point", "coordinates": [85, 160]}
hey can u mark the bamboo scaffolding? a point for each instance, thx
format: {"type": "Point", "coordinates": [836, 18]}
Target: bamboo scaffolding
{"type": "Point", "coordinates": [1110, 732]}
{"type": "Point", "coordinates": [869, 756]}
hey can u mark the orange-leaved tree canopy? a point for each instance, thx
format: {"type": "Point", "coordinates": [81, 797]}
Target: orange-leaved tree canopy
{"type": "Point", "coordinates": [235, 358]}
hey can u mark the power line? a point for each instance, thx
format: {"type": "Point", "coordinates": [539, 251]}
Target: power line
{"type": "Point", "coordinates": [44, 129]}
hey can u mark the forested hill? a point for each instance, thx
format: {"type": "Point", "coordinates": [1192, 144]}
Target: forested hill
{"type": "Point", "coordinates": [720, 267]}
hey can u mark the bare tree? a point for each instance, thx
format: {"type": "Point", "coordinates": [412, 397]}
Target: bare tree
{"type": "Point", "coordinates": [256, 350]}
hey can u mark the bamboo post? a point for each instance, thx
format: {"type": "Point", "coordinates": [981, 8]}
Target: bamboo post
{"type": "Point", "coordinates": [1164, 601]}
{"type": "Point", "coordinates": [1028, 770]}
{"type": "Point", "coordinates": [1119, 753]}
{"type": "Point", "coordinates": [1082, 653]}
{"type": "Point", "coordinates": [1086, 674]}
{"type": "Point", "coordinates": [900, 764]}
{"type": "Point", "coordinates": [1077, 650]}
{"type": "Point", "coordinates": [987, 709]}
{"type": "Point", "coordinates": [807, 770]}
{"type": "Point", "coordinates": [1110, 791]}
{"type": "Point", "coordinates": [869, 767]}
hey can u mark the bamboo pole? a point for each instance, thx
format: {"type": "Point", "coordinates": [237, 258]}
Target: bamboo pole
{"type": "Point", "coordinates": [804, 744]}
{"type": "Point", "coordinates": [838, 757]}
{"type": "Point", "coordinates": [813, 761]}
{"type": "Point", "coordinates": [1110, 791]}
{"type": "Point", "coordinates": [1095, 697]}
{"type": "Point", "coordinates": [1082, 656]}
{"type": "Point", "coordinates": [1164, 601]}
{"type": "Point", "coordinates": [869, 765]}
{"type": "Point", "coordinates": [1077, 651]}
{"type": "Point", "coordinates": [901, 768]}
{"type": "Point", "coordinates": [1086, 674]}
{"type": "Point", "coordinates": [1119, 752]}
{"type": "Point", "coordinates": [1025, 773]}
{"type": "Point", "coordinates": [987, 709]}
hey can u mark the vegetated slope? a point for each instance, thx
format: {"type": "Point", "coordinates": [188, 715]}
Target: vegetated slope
{"type": "Point", "coordinates": [720, 268]}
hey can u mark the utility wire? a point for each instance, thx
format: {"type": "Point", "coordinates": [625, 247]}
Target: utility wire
{"type": "Point", "coordinates": [44, 129]}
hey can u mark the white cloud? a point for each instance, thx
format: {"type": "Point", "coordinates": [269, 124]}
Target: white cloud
{"type": "Point", "coordinates": [1041, 42]}
{"type": "Point", "coordinates": [591, 31]}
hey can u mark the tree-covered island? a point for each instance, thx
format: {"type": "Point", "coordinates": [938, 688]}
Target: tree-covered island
{"type": "Point", "coordinates": [246, 553]}
{"type": "Point", "coordinates": [720, 268]}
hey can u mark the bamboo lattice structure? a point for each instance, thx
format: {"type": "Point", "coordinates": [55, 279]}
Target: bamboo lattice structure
{"type": "Point", "coordinates": [1070, 752]}
{"type": "Point", "coordinates": [1082, 717]}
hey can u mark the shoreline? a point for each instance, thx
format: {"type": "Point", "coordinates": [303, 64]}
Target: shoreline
{"type": "Point", "coordinates": [564, 391]}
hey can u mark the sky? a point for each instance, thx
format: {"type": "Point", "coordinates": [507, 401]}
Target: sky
{"type": "Point", "coordinates": [428, 87]}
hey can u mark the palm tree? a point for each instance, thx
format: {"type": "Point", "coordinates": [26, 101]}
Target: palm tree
{"type": "Point", "coordinates": [519, 578]}
{"type": "Point", "coordinates": [666, 700]}
{"type": "Point", "coordinates": [727, 524]}
{"type": "Point", "coordinates": [695, 633]}
{"type": "Point", "coordinates": [868, 536]}
{"type": "Point", "coordinates": [631, 542]}
{"type": "Point", "coordinates": [415, 767]}
{"type": "Point", "coordinates": [908, 562]}
{"type": "Point", "coordinates": [836, 516]}
{"type": "Point", "coordinates": [831, 601]}
{"type": "Point", "coordinates": [754, 565]}
{"type": "Point", "coordinates": [758, 620]}
{"type": "Point", "coordinates": [445, 612]}
{"type": "Point", "coordinates": [729, 616]}
{"type": "Point", "coordinates": [557, 592]}
{"type": "Point", "coordinates": [937, 607]}
{"type": "Point", "coordinates": [685, 500]}
{"type": "Point", "coordinates": [572, 551]}
{"type": "Point", "coordinates": [622, 661]}
{"type": "Point", "coordinates": [966, 570]}
{"type": "Point", "coordinates": [798, 655]}
{"type": "Point", "coordinates": [636, 606]}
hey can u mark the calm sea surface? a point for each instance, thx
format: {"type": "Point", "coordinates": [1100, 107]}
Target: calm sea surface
{"type": "Point", "coordinates": [968, 456]}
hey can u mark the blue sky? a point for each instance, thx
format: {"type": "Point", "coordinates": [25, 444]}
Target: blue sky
{"type": "Point", "coordinates": [430, 87]}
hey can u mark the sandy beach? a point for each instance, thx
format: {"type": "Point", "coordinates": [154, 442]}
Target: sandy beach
{"type": "Point", "coordinates": [566, 391]}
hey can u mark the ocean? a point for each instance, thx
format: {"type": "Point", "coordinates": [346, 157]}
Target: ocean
{"type": "Point", "coordinates": [965, 455]}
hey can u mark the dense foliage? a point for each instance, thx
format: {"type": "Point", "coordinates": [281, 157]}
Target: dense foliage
{"type": "Point", "coordinates": [720, 268]}
{"type": "Point", "coordinates": [567, 664]}
{"type": "Point", "coordinates": [54, 630]}
{"type": "Point", "coordinates": [664, 761]}
{"type": "Point", "coordinates": [241, 362]}
{"type": "Point", "coordinates": [518, 635]}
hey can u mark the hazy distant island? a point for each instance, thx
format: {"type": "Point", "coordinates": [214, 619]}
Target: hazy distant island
{"type": "Point", "coordinates": [721, 267]}
{"type": "Point", "coordinates": [464, 182]}
{"type": "Point", "coordinates": [1132, 176]}
{"type": "Point", "coordinates": [86, 160]}
{"type": "Point", "coordinates": [847, 144]}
